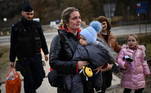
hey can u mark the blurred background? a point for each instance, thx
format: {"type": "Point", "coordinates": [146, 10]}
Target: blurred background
{"type": "Point", "coordinates": [121, 12]}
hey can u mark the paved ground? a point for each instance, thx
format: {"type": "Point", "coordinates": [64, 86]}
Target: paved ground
{"type": "Point", "coordinates": [46, 88]}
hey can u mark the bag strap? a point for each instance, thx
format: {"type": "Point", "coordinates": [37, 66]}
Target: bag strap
{"type": "Point", "coordinates": [64, 39]}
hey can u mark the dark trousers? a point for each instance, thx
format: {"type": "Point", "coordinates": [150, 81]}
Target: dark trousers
{"type": "Point", "coordinates": [33, 73]}
{"type": "Point", "coordinates": [126, 90]}
{"type": "Point", "coordinates": [107, 79]}
{"type": "Point", "coordinates": [74, 83]}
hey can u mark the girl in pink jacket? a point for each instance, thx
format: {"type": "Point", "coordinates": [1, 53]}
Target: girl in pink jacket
{"type": "Point", "coordinates": [135, 68]}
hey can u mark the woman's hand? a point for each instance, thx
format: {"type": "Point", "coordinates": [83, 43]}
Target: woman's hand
{"type": "Point", "coordinates": [104, 68]}
{"type": "Point", "coordinates": [109, 66]}
{"type": "Point", "coordinates": [98, 69]}
{"type": "Point", "coordinates": [81, 64]}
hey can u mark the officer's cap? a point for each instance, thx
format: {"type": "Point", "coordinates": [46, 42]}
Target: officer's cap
{"type": "Point", "coordinates": [26, 7]}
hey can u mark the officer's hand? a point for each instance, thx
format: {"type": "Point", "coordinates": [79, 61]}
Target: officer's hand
{"type": "Point", "coordinates": [46, 57]}
{"type": "Point", "coordinates": [12, 64]}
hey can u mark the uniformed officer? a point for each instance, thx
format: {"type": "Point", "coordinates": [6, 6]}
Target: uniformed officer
{"type": "Point", "coordinates": [27, 41]}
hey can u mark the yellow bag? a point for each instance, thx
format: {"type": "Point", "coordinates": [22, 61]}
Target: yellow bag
{"type": "Point", "coordinates": [13, 82]}
{"type": "Point", "coordinates": [86, 72]}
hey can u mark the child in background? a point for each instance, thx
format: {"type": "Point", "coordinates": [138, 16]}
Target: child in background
{"type": "Point", "coordinates": [132, 59]}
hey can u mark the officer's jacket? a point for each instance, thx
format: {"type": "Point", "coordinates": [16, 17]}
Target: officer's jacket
{"type": "Point", "coordinates": [26, 39]}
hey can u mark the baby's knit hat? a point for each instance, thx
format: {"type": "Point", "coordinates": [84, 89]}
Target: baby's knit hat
{"type": "Point", "coordinates": [90, 32]}
{"type": "Point", "coordinates": [96, 25]}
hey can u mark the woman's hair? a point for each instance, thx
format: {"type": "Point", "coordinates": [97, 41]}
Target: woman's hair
{"type": "Point", "coordinates": [133, 35]}
{"type": "Point", "coordinates": [66, 14]}
{"type": "Point", "coordinates": [103, 18]}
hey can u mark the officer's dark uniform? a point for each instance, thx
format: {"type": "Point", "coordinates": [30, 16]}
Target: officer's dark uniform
{"type": "Point", "coordinates": [26, 41]}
